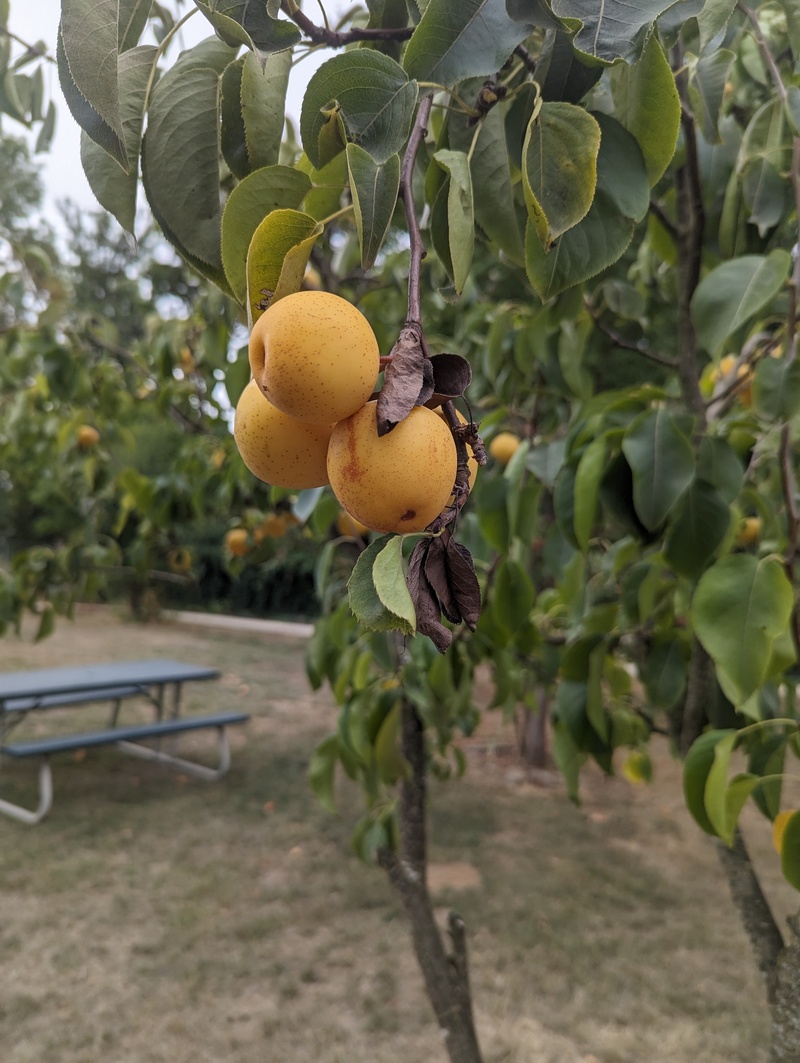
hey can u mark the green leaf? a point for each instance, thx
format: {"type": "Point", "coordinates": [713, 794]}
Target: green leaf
{"type": "Point", "coordinates": [44, 138]}
{"type": "Point", "coordinates": [696, 768]}
{"type": "Point", "coordinates": [457, 39]}
{"type": "Point", "coordinates": [277, 257]}
{"type": "Point", "coordinates": [328, 185]}
{"type": "Point", "coordinates": [87, 67]}
{"type": "Point", "coordinates": [131, 21]}
{"type": "Point", "coordinates": [724, 800]}
{"type": "Point", "coordinates": [252, 111]}
{"type": "Point", "coordinates": [707, 91]}
{"type": "Point", "coordinates": [765, 138]}
{"type": "Point", "coordinates": [374, 187]}
{"type": "Point", "coordinates": [372, 96]}
{"type": "Point", "coordinates": [603, 235]}
{"type": "Point", "coordinates": [588, 475]}
{"type": "Point", "coordinates": [790, 851]}
{"type": "Point", "coordinates": [647, 103]}
{"type": "Point", "coordinates": [322, 769]}
{"type": "Point", "coordinates": [514, 594]}
{"type": "Point", "coordinates": [740, 610]}
{"type": "Point", "coordinates": [664, 675]}
{"type": "Point", "coordinates": [569, 758]}
{"type": "Point", "coordinates": [792, 108]}
{"type": "Point", "coordinates": [233, 141]}
{"type": "Point", "coordinates": [389, 759]}
{"type": "Point", "coordinates": [253, 199]}
{"type": "Point", "coordinates": [699, 529]}
{"type": "Point", "coordinates": [239, 22]}
{"type": "Point", "coordinates": [388, 575]}
{"type": "Point", "coordinates": [661, 459]}
{"type": "Point", "coordinates": [460, 224]}
{"type": "Point", "coordinates": [712, 19]}
{"type": "Point", "coordinates": [263, 106]}
{"type": "Point", "coordinates": [114, 189]}
{"type": "Point", "coordinates": [559, 168]}
{"type": "Point", "coordinates": [719, 465]}
{"type": "Point", "coordinates": [180, 167]}
{"type": "Point", "coordinates": [492, 185]}
{"type": "Point", "coordinates": [776, 388]}
{"type": "Point", "coordinates": [563, 73]}
{"type": "Point", "coordinates": [612, 29]}
{"type": "Point", "coordinates": [367, 607]}
{"type": "Point", "coordinates": [732, 293]}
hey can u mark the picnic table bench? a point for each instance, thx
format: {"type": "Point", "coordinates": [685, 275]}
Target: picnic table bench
{"type": "Point", "coordinates": [160, 681]}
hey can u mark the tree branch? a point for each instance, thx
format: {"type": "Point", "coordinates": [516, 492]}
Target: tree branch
{"type": "Point", "coordinates": [628, 345]}
{"type": "Point", "coordinates": [336, 39]}
{"type": "Point", "coordinates": [690, 229]}
{"type": "Point", "coordinates": [445, 977]}
{"type": "Point", "coordinates": [417, 252]}
{"type": "Point", "coordinates": [756, 915]}
{"type": "Point", "coordinates": [664, 219]}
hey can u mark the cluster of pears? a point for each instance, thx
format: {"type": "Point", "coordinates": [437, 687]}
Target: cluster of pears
{"type": "Point", "coordinates": [307, 418]}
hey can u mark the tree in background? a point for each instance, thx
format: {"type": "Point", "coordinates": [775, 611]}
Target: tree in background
{"type": "Point", "coordinates": [607, 201]}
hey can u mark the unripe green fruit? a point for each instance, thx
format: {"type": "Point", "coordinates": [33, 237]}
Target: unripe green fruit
{"type": "Point", "coordinates": [399, 482]}
{"type": "Point", "coordinates": [314, 356]}
{"type": "Point", "coordinates": [279, 449]}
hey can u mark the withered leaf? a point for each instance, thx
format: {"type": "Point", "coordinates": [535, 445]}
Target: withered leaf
{"type": "Point", "coordinates": [425, 601]}
{"type": "Point", "coordinates": [463, 582]}
{"type": "Point", "coordinates": [452, 375]}
{"type": "Point", "coordinates": [403, 379]}
{"type": "Point", "coordinates": [427, 383]}
{"type": "Point", "coordinates": [438, 577]}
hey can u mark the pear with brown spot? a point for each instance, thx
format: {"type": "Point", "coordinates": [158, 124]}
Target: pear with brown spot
{"type": "Point", "coordinates": [398, 482]}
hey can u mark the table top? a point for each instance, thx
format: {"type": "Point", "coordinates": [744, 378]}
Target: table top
{"type": "Point", "coordinates": [40, 682]}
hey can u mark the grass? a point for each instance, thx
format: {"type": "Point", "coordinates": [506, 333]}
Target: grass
{"type": "Point", "coordinates": [156, 918]}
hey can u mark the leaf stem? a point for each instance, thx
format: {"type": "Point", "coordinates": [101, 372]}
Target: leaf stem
{"type": "Point", "coordinates": [336, 214]}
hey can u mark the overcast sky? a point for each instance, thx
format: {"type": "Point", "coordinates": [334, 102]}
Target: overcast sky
{"type": "Point", "coordinates": [63, 177]}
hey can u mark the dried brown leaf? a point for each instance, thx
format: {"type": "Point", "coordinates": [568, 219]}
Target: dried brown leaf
{"type": "Point", "coordinates": [403, 380]}
{"type": "Point", "coordinates": [463, 582]}
{"type": "Point", "coordinates": [452, 375]}
{"type": "Point", "coordinates": [439, 579]}
{"type": "Point", "coordinates": [425, 601]}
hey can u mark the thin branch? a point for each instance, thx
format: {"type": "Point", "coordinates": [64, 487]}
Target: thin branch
{"type": "Point", "coordinates": [628, 345]}
{"type": "Point", "coordinates": [339, 39]}
{"type": "Point", "coordinates": [764, 48]}
{"type": "Point", "coordinates": [31, 49]}
{"type": "Point", "coordinates": [691, 230]}
{"type": "Point", "coordinates": [522, 53]}
{"type": "Point", "coordinates": [664, 219]}
{"type": "Point", "coordinates": [417, 252]}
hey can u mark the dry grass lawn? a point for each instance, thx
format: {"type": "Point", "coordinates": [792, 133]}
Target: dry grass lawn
{"type": "Point", "coordinates": [153, 918]}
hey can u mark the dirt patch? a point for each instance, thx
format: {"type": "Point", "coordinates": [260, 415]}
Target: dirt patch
{"type": "Point", "coordinates": [453, 876]}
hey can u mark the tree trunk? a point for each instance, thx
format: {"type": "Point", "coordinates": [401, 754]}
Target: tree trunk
{"type": "Point", "coordinates": [445, 974]}
{"type": "Point", "coordinates": [532, 731]}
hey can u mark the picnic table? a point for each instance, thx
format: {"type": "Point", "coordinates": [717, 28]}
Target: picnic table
{"type": "Point", "coordinates": [159, 681]}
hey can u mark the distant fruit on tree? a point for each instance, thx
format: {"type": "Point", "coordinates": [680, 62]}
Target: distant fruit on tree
{"type": "Point", "coordinates": [277, 448]}
{"type": "Point", "coordinates": [87, 436]}
{"type": "Point", "coordinates": [503, 447]}
{"type": "Point", "coordinates": [237, 542]}
{"type": "Point", "coordinates": [314, 356]}
{"type": "Point", "coordinates": [749, 531]}
{"type": "Point", "coordinates": [398, 482]}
